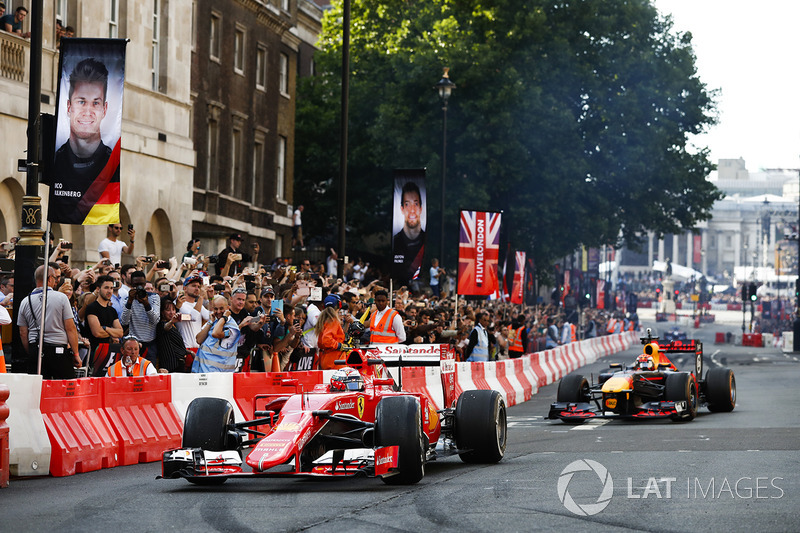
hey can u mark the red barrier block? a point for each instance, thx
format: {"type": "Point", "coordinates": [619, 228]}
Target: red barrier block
{"type": "Point", "coordinates": [719, 338]}
{"type": "Point", "coordinates": [4, 452]}
{"type": "Point", "coordinates": [141, 412]}
{"type": "Point", "coordinates": [511, 393]}
{"type": "Point", "coordinates": [246, 385]}
{"type": "Point", "coordinates": [81, 435]}
{"type": "Point", "coordinates": [414, 380]}
{"type": "Point", "coordinates": [519, 371]}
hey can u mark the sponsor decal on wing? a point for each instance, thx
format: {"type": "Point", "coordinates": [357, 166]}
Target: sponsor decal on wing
{"type": "Point", "coordinates": [386, 459]}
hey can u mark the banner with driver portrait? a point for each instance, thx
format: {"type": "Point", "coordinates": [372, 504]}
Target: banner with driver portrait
{"type": "Point", "coordinates": [409, 220]}
{"type": "Point", "coordinates": [85, 185]}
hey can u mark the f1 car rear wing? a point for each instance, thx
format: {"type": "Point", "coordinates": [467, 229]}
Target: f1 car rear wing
{"type": "Point", "coordinates": [689, 346]}
{"type": "Point", "coordinates": [403, 355]}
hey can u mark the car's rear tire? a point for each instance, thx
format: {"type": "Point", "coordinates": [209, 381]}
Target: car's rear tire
{"type": "Point", "coordinates": [681, 387]}
{"type": "Point", "coordinates": [481, 426]}
{"type": "Point", "coordinates": [398, 422]}
{"type": "Point", "coordinates": [573, 388]}
{"type": "Point", "coordinates": [720, 390]}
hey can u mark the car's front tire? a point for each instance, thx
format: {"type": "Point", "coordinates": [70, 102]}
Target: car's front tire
{"type": "Point", "coordinates": [206, 426]}
{"type": "Point", "coordinates": [720, 390]}
{"type": "Point", "coordinates": [481, 426]}
{"type": "Point", "coordinates": [681, 387]}
{"type": "Point", "coordinates": [398, 422]}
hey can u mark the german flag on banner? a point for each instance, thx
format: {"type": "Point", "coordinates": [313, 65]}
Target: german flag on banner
{"type": "Point", "coordinates": [85, 181]}
{"type": "Point", "coordinates": [478, 253]}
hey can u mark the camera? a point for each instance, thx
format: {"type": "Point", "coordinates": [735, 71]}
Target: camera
{"type": "Point", "coordinates": [8, 246]}
{"type": "Point", "coordinates": [219, 287]}
{"type": "Point", "coordinates": [162, 264]}
{"type": "Point", "coordinates": [212, 259]}
{"type": "Point", "coordinates": [249, 277]}
{"type": "Point", "coordinates": [106, 261]}
{"type": "Point", "coordinates": [147, 259]}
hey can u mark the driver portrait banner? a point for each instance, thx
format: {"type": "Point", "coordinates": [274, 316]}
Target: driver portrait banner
{"type": "Point", "coordinates": [85, 182]}
{"type": "Point", "coordinates": [478, 253]}
{"type": "Point", "coordinates": [519, 276]}
{"type": "Point", "coordinates": [409, 221]}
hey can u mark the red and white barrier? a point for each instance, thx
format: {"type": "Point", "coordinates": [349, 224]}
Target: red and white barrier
{"type": "Point", "coordinates": [71, 426]}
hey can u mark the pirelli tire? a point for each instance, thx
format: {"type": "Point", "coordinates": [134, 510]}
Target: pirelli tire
{"type": "Point", "coordinates": [206, 426]}
{"type": "Point", "coordinates": [682, 387]}
{"type": "Point", "coordinates": [720, 390]}
{"type": "Point", "coordinates": [481, 426]}
{"type": "Point", "coordinates": [573, 388]}
{"type": "Point", "coordinates": [398, 422]}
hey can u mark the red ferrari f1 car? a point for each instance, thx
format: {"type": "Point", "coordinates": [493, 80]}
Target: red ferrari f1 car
{"type": "Point", "coordinates": [650, 388]}
{"type": "Point", "coordinates": [361, 423]}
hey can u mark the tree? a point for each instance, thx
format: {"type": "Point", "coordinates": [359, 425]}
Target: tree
{"type": "Point", "coordinates": [571, 117]}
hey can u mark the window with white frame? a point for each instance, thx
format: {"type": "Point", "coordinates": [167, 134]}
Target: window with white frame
{"type": "Point", "coordinates": [261, 67]}
{"type": "Point", "coordinates": [211, 155]}
{"type": "Point", "coordinates": [215, 36]}
{"type": "Point", "coordinates": [236, 158]}
{"type": "Point", "coordinates": [258, 169]}
{"type": "Point", "coordinates": [238, 51]}
{"type": "Point", "coordinates": [113, 20]}
{"type": "Point", "coordinates": [285, 5]}
{"type": "Point", "coordinates": [280, 185]}
{"type": "Point", "coordinates": [194, 24]}
{"type": "Point", "coordinates": [284, 75]}
{"type": "Point", "coordinates": [155, 52]}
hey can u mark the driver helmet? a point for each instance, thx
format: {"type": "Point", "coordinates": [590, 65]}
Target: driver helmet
{"type": "Point", "coordinates": [645, 362]}
{"type": "Point", "coordinates": [347, 379]}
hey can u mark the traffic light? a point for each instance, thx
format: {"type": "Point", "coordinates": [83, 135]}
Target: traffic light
{"type": "Point", "coordinates": [753, 295]}
{"type": "Point", "coordinates": [745, 290]}
{"type": "Point", "coordinates": [797, 288]}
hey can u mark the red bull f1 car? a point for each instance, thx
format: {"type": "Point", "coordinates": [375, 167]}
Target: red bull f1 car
{"type": "Point", "coordinates": [650, 388]}
{"type": "Point", "coordinates": [361, 423]}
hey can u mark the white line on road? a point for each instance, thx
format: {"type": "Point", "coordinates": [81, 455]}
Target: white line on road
{"type": "Point", "coordinates": [591, 424]}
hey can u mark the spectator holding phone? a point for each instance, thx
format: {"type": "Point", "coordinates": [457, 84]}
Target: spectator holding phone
{"type": "Point", "coordinates": [219, 339]}
{"type": "Point", "coordinates": [112, 248]}
{"type": "Point", "coordinates": [142, 312]}
{"type": "Point", "coordinates": [172, 353]}
{"type": "Point", "coordinates": [233, 265]}
{"type": "Point", "coordinates": [193, 312]}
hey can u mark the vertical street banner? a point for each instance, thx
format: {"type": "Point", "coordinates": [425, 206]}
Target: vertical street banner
{"type": "Point", "coordinates": [85, 184]}
{"type": "Point", "coordinates": [530, 283]}
{"type": "Point", "coordinates": [409, 220]}
{"type": "Point", "coordinates": [519, 276]}
{"type": "Point", "coordinates": [478, 253]}
{"type": "Point", "coordinates": [697, 249]}
{"type": "Point", "coordinates": [601, 294]}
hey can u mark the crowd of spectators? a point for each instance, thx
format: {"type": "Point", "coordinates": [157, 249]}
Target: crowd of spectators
{"type": "Point", "coordinates": [248, 316]}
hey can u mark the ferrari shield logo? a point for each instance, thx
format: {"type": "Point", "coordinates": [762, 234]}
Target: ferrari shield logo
{"type": "Point", "coordinates": [360, 405]}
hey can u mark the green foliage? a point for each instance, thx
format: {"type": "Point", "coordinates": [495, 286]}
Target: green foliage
{"type": "Point", "coordinates": [571, 117]}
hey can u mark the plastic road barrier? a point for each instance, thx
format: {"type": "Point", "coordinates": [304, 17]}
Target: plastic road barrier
{"type": "Point", "coordinates": [29, 445]}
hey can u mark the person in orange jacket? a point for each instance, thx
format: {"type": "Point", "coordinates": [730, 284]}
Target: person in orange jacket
{"type": "Point", "coordinates": [330, 335]}
{"type": "Point", "coordinates": [131, 364]}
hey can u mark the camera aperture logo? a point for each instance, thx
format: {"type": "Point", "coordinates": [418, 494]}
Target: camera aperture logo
{"type": "Point", "coordinates": [587, 509]}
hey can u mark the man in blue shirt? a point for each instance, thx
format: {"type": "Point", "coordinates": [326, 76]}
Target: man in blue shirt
{"type": "Point", "coordinates": [219, 340]}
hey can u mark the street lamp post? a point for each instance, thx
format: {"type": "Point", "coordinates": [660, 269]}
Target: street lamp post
{"type": "Point", "coordinates": [445, 88]}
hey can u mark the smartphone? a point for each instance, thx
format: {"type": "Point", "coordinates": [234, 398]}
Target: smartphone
{"type": "Point", "coordinates": [236, 257]}
{"type": "Point", "coordinates": [206, 280]}
{"type": "Point", "coordinates": [65, 258]}
{"type": "Point", "coordinates": [147, 259]}
{"type": "Point", "coordinates": [276, 305]}
{"type": "Point", "coordinates": [162, 264]}
{"type": "Point", "coordinates": [66, 245]}
{"type": "Point", "coordinates": [219, 287]}
{"type": "Point", "coordinates": [249, 277]}
{"type": "Point", "coordinates": [106, 261]}
{"type": "Point", "coordinates": [296, 321]}
{"type": "Point", "coordinates": [116, 284]}
{"type": "Point", "coordinates": [164, 287]}
{"type": "Point", "coordinates": [185, 317]}
{"type": "Point", "coordinates": [130, 227]}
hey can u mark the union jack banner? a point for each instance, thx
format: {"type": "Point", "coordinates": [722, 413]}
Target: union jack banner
{"type": "Point", "coordinates": [519, 275]}
{"type": "Point", "coordinates": [478, 253]}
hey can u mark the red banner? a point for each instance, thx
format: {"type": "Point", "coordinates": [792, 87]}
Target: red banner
{"type": "Point", "coordinates": [601, 294]}
{"type": "Point", "coordinates": [519, 275]}
{"type": "Point", "coordinates": [697, 241]}
{"type": "Point", "coordinates": [478, 253]}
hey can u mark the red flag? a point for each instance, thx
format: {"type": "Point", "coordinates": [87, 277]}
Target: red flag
{"type": "Point", "coordinates": [478, 253]}
{"type": "Point", "coordinates": [519, 275]}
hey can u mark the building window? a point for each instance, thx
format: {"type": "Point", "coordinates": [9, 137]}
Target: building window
{"type": "Point", "coordinates": [284, 75]}
{"type": "Point", "coordinates": [236, 157]}
{"type": "Point", "coordinates": [113, 20]}
{"type": "Point", "coordinates": [285, 5]}
{"type": "Point", "coordinates": [258, 170]}
{"type": "Point", "coordinates": [261, 68]}
{"type": "Point", "coordinates": [728, 241]}
{"type": "Point", "coordinates": [155, 52]}
{"type": "Point", "coordinates": [211, 157]}
{"type": "Point", "coordinates": [278, 251]}
{"type": "Point", "coordinates": [280, 186]}
{"type": "Point", "coordinates": [216, 36]}
{"type": "Point", "coordinates": [238, 51]}
{"type": "Point", "coordinates": [61, 11]}
{"type": "Point", "coordinates": [194, 24]}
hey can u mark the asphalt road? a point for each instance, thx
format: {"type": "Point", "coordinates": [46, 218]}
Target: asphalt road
{"type": "Point", "coordinates": [736, 471]}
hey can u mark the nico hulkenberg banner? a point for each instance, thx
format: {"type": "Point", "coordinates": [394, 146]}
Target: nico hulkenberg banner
{"type": "Point", "coordinates": [85, 182]}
